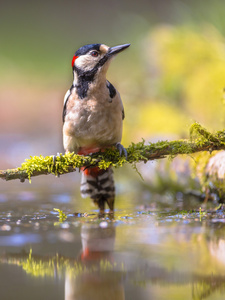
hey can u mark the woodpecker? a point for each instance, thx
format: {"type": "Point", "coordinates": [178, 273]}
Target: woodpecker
{"type": "Point", "coordinates": [93, 116]}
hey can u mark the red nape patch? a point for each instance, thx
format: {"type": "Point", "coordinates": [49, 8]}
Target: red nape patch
{"type": "Point", "coordinates": [73, 60]}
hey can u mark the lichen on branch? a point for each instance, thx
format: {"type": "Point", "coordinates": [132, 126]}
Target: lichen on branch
{"type": "Point", "coordinates": [200, 140]}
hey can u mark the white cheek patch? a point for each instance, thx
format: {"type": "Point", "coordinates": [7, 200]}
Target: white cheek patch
{"type": "Point", "coordinates": [85, 62]}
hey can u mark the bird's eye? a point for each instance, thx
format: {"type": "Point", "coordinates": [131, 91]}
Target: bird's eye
{"type": "Point", "coordinates": [94, 53]}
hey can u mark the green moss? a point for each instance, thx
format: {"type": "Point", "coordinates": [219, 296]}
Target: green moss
{"type": "Point", "coordinates": [199, 137]}
{"type": "Point", "coordinates": [200, 134]}
{"type": "Point", "coordinates": [60, 165]}
{"type": "Point", "coordinates": [38, 267]}
{"type": "Point", "coordinates": [62, 216]}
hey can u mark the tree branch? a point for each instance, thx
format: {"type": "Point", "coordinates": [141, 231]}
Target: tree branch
{"type": "Point", "coordinates": [200, 140]}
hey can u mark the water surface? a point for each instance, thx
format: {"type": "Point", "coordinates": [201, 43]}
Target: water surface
{"type": "Point", "coordinates": [140, 253]}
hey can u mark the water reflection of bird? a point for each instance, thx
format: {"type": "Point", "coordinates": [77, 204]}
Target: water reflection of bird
{"type": "Point", "coordinates": [100, 272]}
{"type": "Point", "coordinates": [97, 240]}
{"type": "Point", "coordinates": [103, 282]}
{"type": "Point", "coordinates": [93, 115]}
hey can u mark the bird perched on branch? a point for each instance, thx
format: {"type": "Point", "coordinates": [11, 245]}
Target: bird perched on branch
{"type": "Point", "coordinates": [93, 115]}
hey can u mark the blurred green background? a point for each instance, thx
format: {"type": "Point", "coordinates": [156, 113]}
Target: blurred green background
{"type": "Point", "coordinates": [173, 73]}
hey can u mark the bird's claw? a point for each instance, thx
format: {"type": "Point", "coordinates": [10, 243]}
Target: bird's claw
{"type": "Point", "coordinates": [121, 149]}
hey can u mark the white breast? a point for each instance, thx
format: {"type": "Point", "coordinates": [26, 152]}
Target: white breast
{"type": "Point", "coordinates": [93, 121]}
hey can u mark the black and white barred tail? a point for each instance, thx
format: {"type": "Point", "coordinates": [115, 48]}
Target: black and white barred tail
{"type": "Point", "coordinates": [99, 186]}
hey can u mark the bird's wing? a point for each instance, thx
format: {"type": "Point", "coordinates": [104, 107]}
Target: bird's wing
{"type": "Point", "coordinates": [66, 97]}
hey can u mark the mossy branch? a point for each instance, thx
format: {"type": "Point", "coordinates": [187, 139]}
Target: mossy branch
{"type": "Point", "coordinates": [200, 140]}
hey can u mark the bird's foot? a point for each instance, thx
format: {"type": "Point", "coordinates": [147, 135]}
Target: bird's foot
{"type": "Point", "coordinates": [121, 149]}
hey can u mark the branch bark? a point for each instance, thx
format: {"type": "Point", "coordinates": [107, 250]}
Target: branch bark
{"type": "Point", "coordinates": [200, 140]}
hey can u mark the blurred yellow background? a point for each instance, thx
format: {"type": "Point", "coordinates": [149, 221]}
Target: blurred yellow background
{"type": "Point", "coordinates": [173, 73]}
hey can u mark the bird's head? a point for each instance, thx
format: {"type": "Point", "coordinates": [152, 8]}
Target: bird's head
{"type": "Point", "coordinates": [94, 58]}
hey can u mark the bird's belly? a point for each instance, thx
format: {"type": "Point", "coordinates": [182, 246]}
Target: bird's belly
{"type": "Point", "coordinates": [93, 126]}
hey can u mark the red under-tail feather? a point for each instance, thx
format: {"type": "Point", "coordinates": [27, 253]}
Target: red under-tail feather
{"type": "Point", "coordinates": [98, 184]}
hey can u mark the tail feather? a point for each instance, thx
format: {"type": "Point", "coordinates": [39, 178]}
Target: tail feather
{"type": "Point", "coordinates": [99, 185]}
